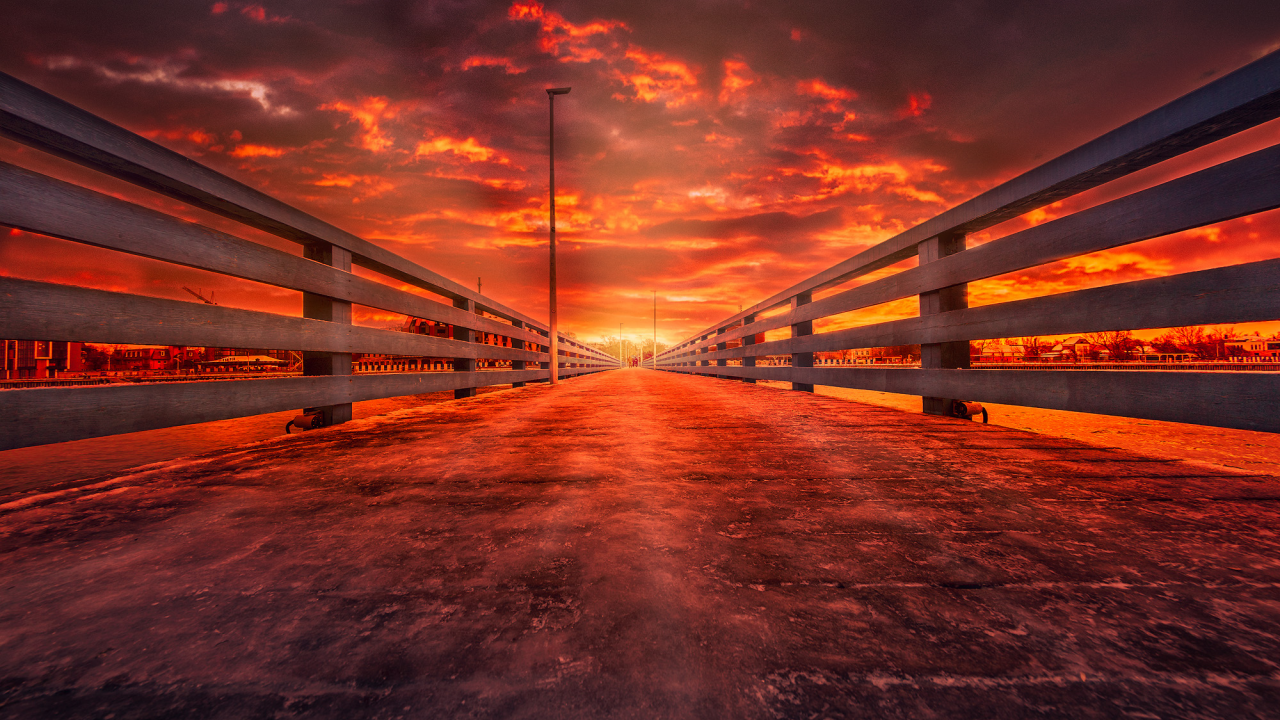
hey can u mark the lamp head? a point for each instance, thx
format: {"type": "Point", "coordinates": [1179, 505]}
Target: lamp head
{"type": "Point", "coordinates": [558, 91]}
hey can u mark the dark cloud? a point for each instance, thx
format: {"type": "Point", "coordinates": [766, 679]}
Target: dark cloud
{"type": "Point", "coordinates": [760, 225]}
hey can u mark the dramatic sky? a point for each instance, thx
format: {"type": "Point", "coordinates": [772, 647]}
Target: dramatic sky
{"type": "Point", "coordinates": [714, 152]}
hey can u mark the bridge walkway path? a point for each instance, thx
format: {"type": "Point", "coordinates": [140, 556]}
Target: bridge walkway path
{"type": "Point", "coordinates": [641, 544]}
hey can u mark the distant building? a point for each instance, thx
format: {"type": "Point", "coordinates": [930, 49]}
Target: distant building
{"type": "Point", "coordinates": [159, 360]}
{"type": "Point", "coordinates": [1254, 347]}
{"type": "Point", "coordinates": [1075, 349]}
{"type": "Point", "coordinates": [418, 326]}
{"type": "Point", "coordinates": [1148, 353]}
{"type": "Point", "coordinates": [1001, 352]}
{"type": "Point", "coordinates": [145, 359]}
{"type": "Point", "coordinates": [36, 359]}
{"type": "Point", "coordinates": [861, 356]}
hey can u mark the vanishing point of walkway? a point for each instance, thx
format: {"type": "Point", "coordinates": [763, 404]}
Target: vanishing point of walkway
{"type": "Point", "coordinates": [637, 544]}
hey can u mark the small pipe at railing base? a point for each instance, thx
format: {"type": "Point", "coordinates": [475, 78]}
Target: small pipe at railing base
{"type": "Point", "coordinates": [967, 409]}
{"type": "Point", "coordinates": [306, 421]}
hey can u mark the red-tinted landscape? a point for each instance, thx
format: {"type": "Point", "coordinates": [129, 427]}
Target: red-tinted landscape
{"type": "Point", "coordinates": [916, 518]}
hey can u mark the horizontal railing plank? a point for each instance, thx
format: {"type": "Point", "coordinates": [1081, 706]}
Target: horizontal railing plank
{"type": "Point", "coordinates": [1244, 186]}
{"type": "Point", "coordinates": [592, 353]}
{"type": "Point", "coordinates": [31, 309]}
{"type": "Point", "coordinates": [1235, 294]}
{"type": "Point", "coordinates": [1245, 400]}
{"type": "Point", "coordinates": [36, 118]}
{"type": "Point", "coordinates": [36, 203]}
{"type": "Point", "coordinates": [47, 415]}
{"type": "Point", "coordinates": [1237, 101]}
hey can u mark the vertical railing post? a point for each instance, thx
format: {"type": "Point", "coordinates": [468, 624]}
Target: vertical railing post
{"type": "Point", "coordinates": [322, 307]}
{"type": "Point", "coordinates": [955, 297]}
{"type": "Point", "coordinates": [749, 361]}
{"type": "Point", "coordinates": [546, 349]}
{"type": "Point", "coordinates": [804, 359]}
{"type": "Point", "coordinates": [464, 335]}
{"type": "Point", "coordinates": [517, 345]}
{"type": "Point", "coordinates": [721, 346]}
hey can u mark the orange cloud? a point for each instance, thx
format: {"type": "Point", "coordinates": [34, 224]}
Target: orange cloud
{"type": "Point", "coordinates": [892, 177]}
{"type": "Point", "coordinates": [1120, 261]}
{"type": "Point", "coordinates": [336, 180]}
{"type": "Point", "coordinates": [199, 137]}
{"type": "Point", "coordinates": [721, 140]}
{"type": "Point", "coordinates": [525, 11]}
{"type": "Point", "coordinates": [506, 64]}
{"type": "Point", "coordinates": [737, 76]}
{"type": "Point", "coordinates": [917, 103]}
{"type": "Point", "coordinates": [836, 97]}
{"type": "Point", "coordinates": [372, 185]}
{"type": "Point", "coordinates": [652, 75]}
{"type": "Point", "coordinates": [369, 113]}
{"type": "Point", "coordinates": [658, 77]}
{"type": "Point", "coordinates": [453, 173]}
{"type": "Point", "coordinates": [469, 149]}
{"type": "Point", "coordinates": [817, 88]}
{"type": "Point", "coordinates": [559, 37]}
{"type": "Point", "coordinates": [248, 151]}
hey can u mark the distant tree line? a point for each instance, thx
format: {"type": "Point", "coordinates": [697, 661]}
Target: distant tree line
{"type": "Point", "coordinates": [626, 348]}
{"type": "Point", "coordinates": [1122, 346]}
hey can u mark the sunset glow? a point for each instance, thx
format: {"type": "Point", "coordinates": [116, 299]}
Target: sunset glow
{"type": "Point", "coordinates": [715, 160]}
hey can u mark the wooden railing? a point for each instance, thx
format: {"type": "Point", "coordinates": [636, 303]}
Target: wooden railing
{"type": "Point", "coordinates": [38, 310]}
{"type": "Point", "coordinates": [945, 325]}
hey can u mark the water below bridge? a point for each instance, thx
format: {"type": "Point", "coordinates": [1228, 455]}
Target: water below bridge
{"type": "Point", "coordinates": [640, 544]}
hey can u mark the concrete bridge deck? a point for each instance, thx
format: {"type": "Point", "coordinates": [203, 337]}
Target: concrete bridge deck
{"type": "Point", "coordinates": [637, 544]}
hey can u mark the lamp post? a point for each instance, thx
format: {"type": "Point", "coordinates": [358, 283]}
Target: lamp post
{"type": "Point", "coordinates": [655, 329]}
{"type": "Point", "coordinates": [555, 351]}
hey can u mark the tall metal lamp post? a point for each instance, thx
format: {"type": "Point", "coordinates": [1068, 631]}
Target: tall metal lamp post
{"type": "Point", "coordinates": [555, 351]}
{"type": "Point", "coordinates": [655, 329]}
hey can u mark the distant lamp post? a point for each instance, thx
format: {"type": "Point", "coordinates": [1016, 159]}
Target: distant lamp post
{"type": "Point", "coordinates": [555, 357]}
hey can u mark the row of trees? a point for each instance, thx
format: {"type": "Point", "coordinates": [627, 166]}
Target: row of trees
{"type": "Point", "coordinates": [625, 348]}
{"type": "Point", "coordinates": [95, 358]}
{"type": "Point", "coordinates": [1210, 345]}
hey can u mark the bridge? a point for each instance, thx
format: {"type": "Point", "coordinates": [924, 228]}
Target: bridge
{"type": "Point", "coordinates": [682, 541]}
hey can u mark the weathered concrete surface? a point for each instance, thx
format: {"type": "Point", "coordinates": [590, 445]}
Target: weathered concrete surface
{"type": "Point", "coordinates": [636, 544]}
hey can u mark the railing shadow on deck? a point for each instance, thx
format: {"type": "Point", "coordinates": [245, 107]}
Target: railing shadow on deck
{"type": "Point", "coordinates": [38, 310]}
{"type": "Point", "coordinates": [1240, 293]}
